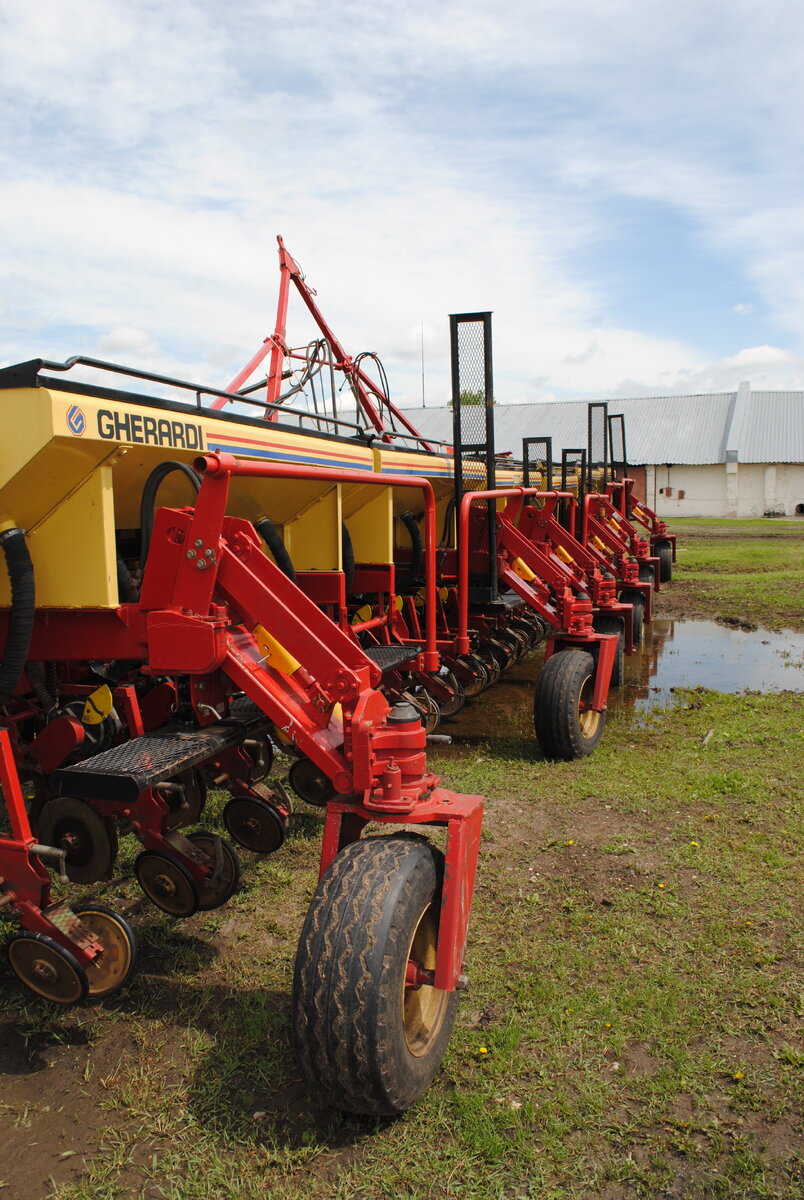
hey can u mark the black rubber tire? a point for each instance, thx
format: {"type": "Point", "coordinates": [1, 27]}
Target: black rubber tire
{"type": "Point", "coordinates": [116, 965]}
{"type": "Point", "coordinates": [637, 600]}
{"type": "Point", "coordinates": [68, 983]}
{"type": "Point", "coordinates": [647, 573]}
{"type": "Point", "coordinates": [562, 730]}
{"type": "Point", "coordinates": [609, 623]}
{"type": "Point", "coordinates": [664, 552]}
{"type": "Point", "coordinates": [352, 1021]}
{"type": "Point", "coordinates": [214, 892]}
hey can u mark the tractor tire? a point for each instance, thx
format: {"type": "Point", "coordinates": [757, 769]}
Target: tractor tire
{"type": "Point", "coordinates": [566, 728]}
{"type": "Point", "coordinates": [608, 623]}
{"type": "Point", "coordinates": [664, 553]}
{"type": "Point", "coordinates": [365, 1042]}
{"type": "Point", "coordinates": [647, 573]}
{"type": "Point", "coordinates": [637, 600]}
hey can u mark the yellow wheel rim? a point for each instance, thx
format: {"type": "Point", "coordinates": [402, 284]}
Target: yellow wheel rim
{"type": "Point", "coordinates": [424, 1007]}
{"type": "Point", "coordinates": [588, 717]}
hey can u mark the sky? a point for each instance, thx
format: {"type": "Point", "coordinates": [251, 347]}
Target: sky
{"type": "Point", "coordinates": [619, 181]}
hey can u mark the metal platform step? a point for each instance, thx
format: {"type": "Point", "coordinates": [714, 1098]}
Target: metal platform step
{"type": "Point", "coordinates": [387, 658]}
{"type": "Point", "coordinates": [122, 773]}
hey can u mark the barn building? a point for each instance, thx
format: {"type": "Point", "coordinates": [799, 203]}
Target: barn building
{"type": "Point", "coordinates": [728, 454]}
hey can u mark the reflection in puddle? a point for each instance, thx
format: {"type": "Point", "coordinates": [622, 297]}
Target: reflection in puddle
{"type": "Point", "coordinates": [705, 654]}
{"type": "Point", "coordinates": [676, 654]}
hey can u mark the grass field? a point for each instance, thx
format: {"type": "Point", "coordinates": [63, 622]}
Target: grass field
{"type": "Point", "coordinates": [634, 1022]}
{"type": "Point", "coordinates": [743, 571]}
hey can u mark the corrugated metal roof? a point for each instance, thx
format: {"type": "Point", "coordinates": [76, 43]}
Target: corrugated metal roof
{"type": "Point", "coordinates": [691, 430]}
{"type": "Point", "coordinates": [676, 429]}
{"type": "Point", "coordinates": [774, 428]}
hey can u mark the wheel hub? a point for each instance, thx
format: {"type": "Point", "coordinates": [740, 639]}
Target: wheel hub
{"type": "Point", "coordinates": [44, 970]}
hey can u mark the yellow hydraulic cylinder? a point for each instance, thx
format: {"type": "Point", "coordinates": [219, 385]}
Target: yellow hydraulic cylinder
{"type": "Point", "coordinates": [274, 653]}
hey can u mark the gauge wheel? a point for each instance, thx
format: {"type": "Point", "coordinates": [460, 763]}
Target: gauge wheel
{"type": "Point", "coordinates": [567, 727]}
{"type": "Point", "coordinates": [608, 623]}
{"type": "Point", "coordinates": [429, 709]}
{"type": "Point", "coordinates": [637, 601]}
{"type": "Point", "coordinates": [502, 653]}
{"type": "Point", "coordinates": [452, 705]}
{"type": "Point", "coordinates": [90, 841]}
{"type": "Point", "coordinates": [664, 552]}
{"type": "Point", "coordinates": [493, 670]}
{"type": "Point", "coordinates": [370, 1030]}
{"type": "Point", "coordinates": [224, 880]}
{"type": "Point", "coordinates": [47, 968]}
{"type": "Point", "coordinates": [474, 686]}
{"type": "Point", "coordinates": [255, 824]}
{"type": "Point", "coordinates": [110, 971]}
{"type": "Point", "coordinates": [186, 801]}
{"type": "Point", "coordinates": [167, 883]}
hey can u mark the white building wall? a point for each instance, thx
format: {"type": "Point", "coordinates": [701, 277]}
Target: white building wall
{"type": "Point", "coordinates": [703, 488]}
{"type": "Point", "coordinates": [742, 490]}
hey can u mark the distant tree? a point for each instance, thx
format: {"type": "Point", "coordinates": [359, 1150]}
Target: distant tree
{"type": "Point", "coordinates": [470, 397]}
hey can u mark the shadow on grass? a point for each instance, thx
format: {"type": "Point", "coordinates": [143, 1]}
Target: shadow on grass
{"type": "Point", "coordinates": [243, 1084]}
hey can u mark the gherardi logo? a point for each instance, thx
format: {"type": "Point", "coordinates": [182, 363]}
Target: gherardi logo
{"type": "Point", "coordinates": [149, 431]}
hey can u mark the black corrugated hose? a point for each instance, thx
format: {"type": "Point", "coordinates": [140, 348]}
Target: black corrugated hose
{"type": "Point", "coordinates": [417, 550]}
{"type": "Point", "coordinates": [23, 607]}
{"type": "Point", "coordinates": [269, 534]}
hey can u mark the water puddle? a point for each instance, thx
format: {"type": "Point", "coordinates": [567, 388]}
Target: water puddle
{"type": "Point", "coordinates": [704, 654]}
{"type": "Point", "coordinates": [675, 654]}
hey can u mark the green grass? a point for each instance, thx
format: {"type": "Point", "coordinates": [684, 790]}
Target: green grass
{"type": "Point", "coordinates": [633, 1027]}
{"type": "Point", "coordinates": [746, 571]}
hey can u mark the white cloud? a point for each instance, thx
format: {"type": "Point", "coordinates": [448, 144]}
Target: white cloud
{"type": "Point", "coordinates": [418, 161]}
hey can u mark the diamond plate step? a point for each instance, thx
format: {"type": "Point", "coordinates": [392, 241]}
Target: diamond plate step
{"type": "Point", "coordinates": [387, 658]}
{"type": "Point", "coordinates": [120, 774]}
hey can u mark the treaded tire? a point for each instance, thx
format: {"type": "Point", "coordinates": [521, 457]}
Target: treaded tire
{"type": "Point", "coordinates": [357, 1041]}
{"type": "Point", "coordinates": [608, 623]}
{"type": "Point", "coordinates": [562, 729]}
{"type": "Point", "coordinates": [664, 552]}
{"type": "Point", "coordinates": [646, 573]}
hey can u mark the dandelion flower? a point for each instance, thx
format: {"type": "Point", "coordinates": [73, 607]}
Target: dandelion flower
{"type": "Point", "coordinates": [483, 1050]}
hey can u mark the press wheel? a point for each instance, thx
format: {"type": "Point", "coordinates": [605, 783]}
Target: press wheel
{"type": "Point", "coordinates": [110, 971]}
{"type": "Point", "coordinates": [222, 883]}
{"type": "Point", "coordinates": [310, 783]}
{"type": "Point", "coordinates": [47, 968]}
{"type": "Point", "coordinates": [167, 883]}
{"type": "Point", "coordinates": [255, 823]}
{"type": "Point", "coordinates": [90, 841]}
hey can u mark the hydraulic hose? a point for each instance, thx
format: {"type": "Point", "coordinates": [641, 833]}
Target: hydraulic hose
{"type": "Point", "coordinates": [269, 534]}
{"type": "Point", "coordinates": [417, 546]}
{"type": "Point", "coordinates": [36, 676]}
{"type": "Point", "coordinates": [23, 607]}
{"type": "Point", "coordinates": [348, 556]}
{"type": "Point", "coordinates": [148, 502]}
